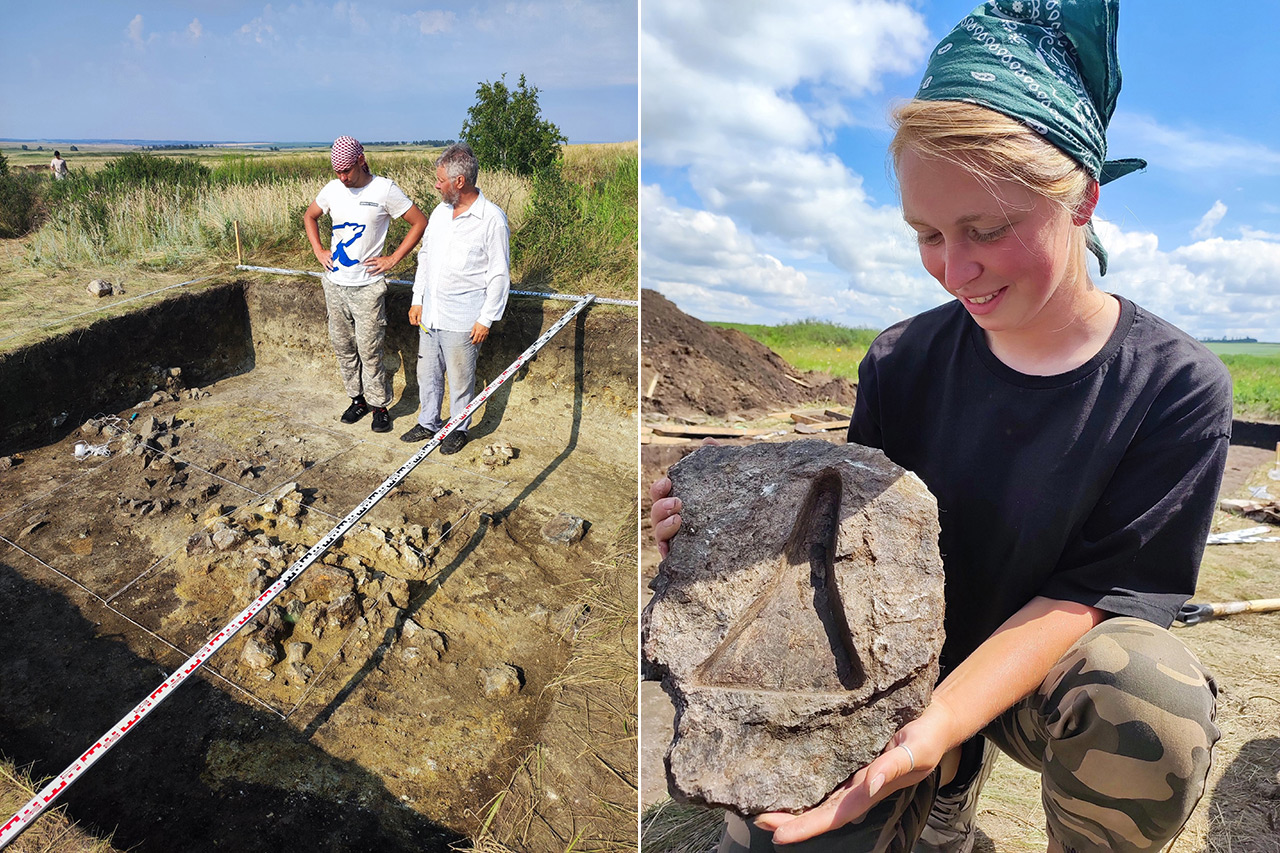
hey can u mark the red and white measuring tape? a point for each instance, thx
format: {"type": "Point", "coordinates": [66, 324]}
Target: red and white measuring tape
{"type": "Point", "coordinates": [28, 813]}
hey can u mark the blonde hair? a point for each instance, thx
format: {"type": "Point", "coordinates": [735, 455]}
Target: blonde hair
{"type": "Point", "coordinates": [993, 147]}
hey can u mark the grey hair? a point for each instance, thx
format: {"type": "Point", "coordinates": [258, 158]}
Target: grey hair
{"type": "Point", "coordinates": [458, 159]}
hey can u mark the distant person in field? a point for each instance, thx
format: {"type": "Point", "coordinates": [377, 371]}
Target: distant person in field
{"type": "Point", "coordinates": [460, 291]}
{"type": "Point", "coordinates": [355, 287]}
{"type": "Point", "coordinates": [58, 166]}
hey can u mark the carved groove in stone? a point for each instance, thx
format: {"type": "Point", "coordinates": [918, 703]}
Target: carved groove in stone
{"type": "Point", "coordinates": [760, 652]}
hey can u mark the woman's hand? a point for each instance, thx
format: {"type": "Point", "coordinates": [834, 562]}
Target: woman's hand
{"type": "Point", "coordinates": [664, 515]}
{"type": "Point", "coordinates": [909, 757]}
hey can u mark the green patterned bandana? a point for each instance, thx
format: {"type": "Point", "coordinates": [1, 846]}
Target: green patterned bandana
{"type": "Point", "coordinates": [1050, 64]}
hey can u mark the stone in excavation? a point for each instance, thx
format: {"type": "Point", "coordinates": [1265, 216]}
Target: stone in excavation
{"type": "Point", "coordinates": [796, 621]}
{"type": "Point", "coordinates": [564, 529]}
{"type": "Point", "coordinates": [499, 682]}
{"type": "Point", "coordinates": [259, 654]}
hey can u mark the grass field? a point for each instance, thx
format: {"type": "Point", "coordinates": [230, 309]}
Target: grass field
{"type": "Point", "coordinates": [834, 349]}
{"type": "Point", "coordinates": [813, 344]}
{"type": "Point", "coordinates": [171, 216]}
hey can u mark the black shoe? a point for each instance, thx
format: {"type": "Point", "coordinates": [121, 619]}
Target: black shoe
{"type": "Point", "coordinates": [357, 410]}
{"type": "Point", "coordinates": [381, 420]}
{"type": "Point", "coordinates": [418, 433]}
{"type": "Point", "coordinates": [453, 442]}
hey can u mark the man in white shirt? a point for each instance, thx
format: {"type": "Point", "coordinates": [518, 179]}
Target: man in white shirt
{"type": "Point", "coordinates": [355, 287]}
{"type": "Point", "coordinates": [459, 292]}
{"type": "Point", "coordinates": [58, 166]}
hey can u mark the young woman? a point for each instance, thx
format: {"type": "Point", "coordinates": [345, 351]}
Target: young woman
{"type": "Point", "coordinates": [1075, 444]}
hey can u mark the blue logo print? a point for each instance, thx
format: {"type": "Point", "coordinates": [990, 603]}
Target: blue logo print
{"type": "Point", "coordinates": [340, 246]}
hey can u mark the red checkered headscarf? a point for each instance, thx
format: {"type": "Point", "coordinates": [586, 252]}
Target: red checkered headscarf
{"type": "Point", "coordinates": [345, 152]}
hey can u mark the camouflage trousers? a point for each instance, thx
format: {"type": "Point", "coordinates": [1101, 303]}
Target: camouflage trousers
{"type": "Point", "coordinates": [1121, 732]}
{"type": "Point", "coordinates": [357, 328]}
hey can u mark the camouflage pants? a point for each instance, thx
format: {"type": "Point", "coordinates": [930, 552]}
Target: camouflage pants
{"type": "Point", "coordinates": [1121, 732]}
{"type": "Point", "coordinates": [357, 328]}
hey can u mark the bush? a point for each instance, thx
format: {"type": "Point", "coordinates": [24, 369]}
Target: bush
{"type": "Point", "coordinates": [579, 231]}
{"type": "Point", "coordinates": [19, 202]}
{"type": "Point", "coordinates": [505, 129]}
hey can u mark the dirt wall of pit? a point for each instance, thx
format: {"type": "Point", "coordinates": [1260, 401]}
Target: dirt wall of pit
{"type": "Point", "coordinates": [49, 388]}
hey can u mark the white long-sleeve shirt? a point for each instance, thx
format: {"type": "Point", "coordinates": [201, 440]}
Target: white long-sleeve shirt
{"type": "Point", "coordinates": [464, 273]}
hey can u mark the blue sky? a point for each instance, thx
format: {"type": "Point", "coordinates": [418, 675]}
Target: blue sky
{"type": "Point", "coordinates": [766, 195]}
{"type": "Point", "coordinates": [309, 71]}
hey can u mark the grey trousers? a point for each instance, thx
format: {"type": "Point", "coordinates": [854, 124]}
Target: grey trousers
{"type": "Point", "coordinates": [357, 328]}
{"type": "Point", "coordinates": [442, 352]}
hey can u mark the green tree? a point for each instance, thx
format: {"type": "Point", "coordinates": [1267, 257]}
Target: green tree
{"type": "Point", "coordinates": [506, 130]}
{"type": "Point", "coordinates": [4, 166]}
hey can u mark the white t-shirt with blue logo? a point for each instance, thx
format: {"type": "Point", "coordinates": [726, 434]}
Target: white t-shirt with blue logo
{"type": "Point", "coordinates": [360, 221]}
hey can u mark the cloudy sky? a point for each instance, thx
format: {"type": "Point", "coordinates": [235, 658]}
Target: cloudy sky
{"type": "Point", "coordinates": [309, 71]}
{"type": "Point", "coordinates": [766, 195]}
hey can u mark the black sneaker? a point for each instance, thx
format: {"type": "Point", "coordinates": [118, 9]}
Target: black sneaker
{"type": "Point", "coordinates": [418, 433]}
{"type": "Point", "coordinates": [952, 823]}
{"type": "Point", "coordinates": [357, 410]}
{"type": "Point", "coordinates": [453, 442]}
{"type": "Point", "coordinates": [381, 420]}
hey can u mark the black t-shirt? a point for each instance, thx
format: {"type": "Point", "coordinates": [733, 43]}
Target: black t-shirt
{"type": "Point", "coordinates": [1095, 486]}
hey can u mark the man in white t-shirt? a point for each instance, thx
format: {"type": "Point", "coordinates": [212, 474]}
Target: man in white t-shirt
{"type": "Point", "coordinates": [459, 292]}
{"type": "Point", "coordinates": [362, 206]}
{"type": "Point", "coordinates": [58, 166]}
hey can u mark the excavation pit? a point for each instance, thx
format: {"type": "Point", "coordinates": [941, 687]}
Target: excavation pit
{"type": "Point", "coordinates": [409, 676]}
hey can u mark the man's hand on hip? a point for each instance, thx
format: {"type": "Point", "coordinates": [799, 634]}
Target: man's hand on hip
{"type": "Point", "coordinates": [478, 333]}
{"type": "Point", "coordinates": [379, 265]}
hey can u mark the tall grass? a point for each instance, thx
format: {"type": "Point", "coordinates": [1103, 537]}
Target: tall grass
{"type": "Point", "coordinates": [1256, 380]}
{"type": "Point", "coordinates": [813, 344]}
{"type": "Point", "coordinates": [571, 228]}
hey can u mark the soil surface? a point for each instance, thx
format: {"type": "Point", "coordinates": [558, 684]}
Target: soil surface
{"type": "Point", "coordinates": [1241, 809]}
{"type": "Point", "coordinates": [688, 368]}
{"type": "Point", "coordinates": [428, 664]}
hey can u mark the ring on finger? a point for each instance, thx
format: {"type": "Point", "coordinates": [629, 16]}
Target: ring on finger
{"type": "Point", "coordinates": [909, 755]}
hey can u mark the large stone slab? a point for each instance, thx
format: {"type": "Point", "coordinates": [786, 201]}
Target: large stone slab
{"type": "Point", "coordinates": [796, 621]}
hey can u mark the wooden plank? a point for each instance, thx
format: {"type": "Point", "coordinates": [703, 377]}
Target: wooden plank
{"type": "Point", "coordinates": [653, 383]}
{"type": "Point", "coordinates": [804, 416]}
{"type": "Point", "coordinates": [836, 414]}
{"type": "Point", "coordinates": [822, 426]}
{"type": "Point", "coordinates": [707, 432]}
{"type": "Point", "coordinates": [798, 381]}
{"type": "Point", "coordinates": [664, 439]}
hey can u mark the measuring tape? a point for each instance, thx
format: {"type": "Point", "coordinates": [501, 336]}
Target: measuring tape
{"type": "Point", "coordinates": [599, 300]}
{"type": "Point", "coordinates": [28, 813]}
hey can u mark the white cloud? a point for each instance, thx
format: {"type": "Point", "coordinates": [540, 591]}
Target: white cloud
{"type": "Point", "coordinates": [704, 256]}
{"type": "Point", "coordinates": [1190, 150]}
{"type": "Point", "coordinates": [348, 16]}
{"type": "Point", "coordinates": [196, 29]}
{"type": "Point", "coordinates": [1209, 221]}
{"type": "Point", "coordinates": [261, 29]}
{"type": "Point", "coordinates": [709, 96]}
{"type": "Point", "coordinates": [1210, 288]}
{"type": "Point", "coordinates": [434, 21]}
{"type": "Point", "coordinates": [134, 30]}
{"type": "Point", "coordinates": [749, 118]}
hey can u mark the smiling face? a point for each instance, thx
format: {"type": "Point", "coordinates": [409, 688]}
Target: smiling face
{"type": "Point", "coordinates": [1004, 251]}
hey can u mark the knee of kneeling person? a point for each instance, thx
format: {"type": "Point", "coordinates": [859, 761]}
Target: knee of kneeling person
{"type": "Point", "coordinates": [1131, 687]}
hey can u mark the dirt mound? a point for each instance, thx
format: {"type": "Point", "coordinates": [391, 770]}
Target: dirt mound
{"type": "Point", "coordinates": [689, 368]}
